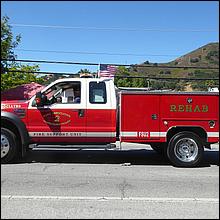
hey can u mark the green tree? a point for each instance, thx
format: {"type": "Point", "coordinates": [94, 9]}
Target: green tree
{"type": "Point", "coordinates": [8, 43]}
{"type": "Point", "coordinates": [15, 78]}
{"type": "Point", "coordinates": [10, 75]}
{"type": "Point", "coordinates": [84, 71]}
{"type": "Point", "coordinates": [138, 82]}
{"type": "Point", "coordinates": [119, 80]}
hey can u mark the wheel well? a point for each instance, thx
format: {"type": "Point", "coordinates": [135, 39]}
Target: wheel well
{"type": "Point", "coordinates": [197, 130]}
{"type": "Point", "coordinates": [12, 127]}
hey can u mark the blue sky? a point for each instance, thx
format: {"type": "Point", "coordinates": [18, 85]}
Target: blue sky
{"type": "Point", "coordinates": [157, 46]}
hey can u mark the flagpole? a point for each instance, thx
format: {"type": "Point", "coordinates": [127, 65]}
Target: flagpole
{"type": "Point", "coordinates": [99, 66]}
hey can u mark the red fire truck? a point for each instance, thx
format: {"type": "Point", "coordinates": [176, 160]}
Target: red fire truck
{"type": "Point", "coordinates": [93, 113]}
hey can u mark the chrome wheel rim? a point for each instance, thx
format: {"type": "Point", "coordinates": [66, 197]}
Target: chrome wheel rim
{"type": "Point", "coordinates": [186, 150]}
{"type": "Point", "coordinates": [5, 146]}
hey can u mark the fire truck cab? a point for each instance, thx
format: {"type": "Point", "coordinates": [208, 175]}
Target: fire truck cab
{"type": "Point", "coordinates": [89, 113]}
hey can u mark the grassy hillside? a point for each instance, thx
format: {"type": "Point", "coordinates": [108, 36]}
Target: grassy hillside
{"type": "Point", "coordinates": [205, 56]}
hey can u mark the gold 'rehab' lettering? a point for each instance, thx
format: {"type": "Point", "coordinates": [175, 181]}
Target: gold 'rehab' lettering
{"type": "Point", "coordinates": [173, 108]}
{"type": "Point", "coordinates": [188, 108]}
{"type": "Point", "coordinates": [181, 108]}
{"type": "Point", "coordinates": [197, 109]}
{"type": "Point", "coordinates": [205, 108]}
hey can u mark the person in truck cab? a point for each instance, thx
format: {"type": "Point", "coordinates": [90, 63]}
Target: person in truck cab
{"type": "Point", "coordinates": [59, 99]}
{"type": "Point", "coordinates": [77, 96]}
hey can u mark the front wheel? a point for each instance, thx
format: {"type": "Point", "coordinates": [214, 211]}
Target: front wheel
{"type": "Point", "coordinates": [8, 145]}
{"type": "Point", "coordinates": [185, 149]}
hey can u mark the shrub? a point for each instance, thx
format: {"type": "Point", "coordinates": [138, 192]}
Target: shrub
{"type": "Point", "coordinates": [194, 60]}
{"type": "Point", "coordinates": [167, 72]}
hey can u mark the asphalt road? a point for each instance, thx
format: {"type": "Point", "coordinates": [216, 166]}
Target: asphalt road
{"type": "Point", "coordinates": [109, 184]}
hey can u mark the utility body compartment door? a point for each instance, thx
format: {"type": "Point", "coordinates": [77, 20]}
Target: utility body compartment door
{"type": "Point", "coordinates": [139, 117]}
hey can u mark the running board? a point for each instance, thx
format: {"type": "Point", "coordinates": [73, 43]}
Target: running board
{"type": "Point", "coordinates": [71, 147]}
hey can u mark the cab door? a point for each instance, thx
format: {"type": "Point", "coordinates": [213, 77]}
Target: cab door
{"type": "Point", "coordinates": [100, 112]}
{"type": "Point", "coordinates": [59, 122]}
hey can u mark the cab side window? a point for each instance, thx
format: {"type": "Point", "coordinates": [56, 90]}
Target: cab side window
{"type": "Point", "coordinates": [97, 93]}
{"type": "Point", "coordinates": [72, 95]}
{"type": "Point", "coordinates": [61, 93]}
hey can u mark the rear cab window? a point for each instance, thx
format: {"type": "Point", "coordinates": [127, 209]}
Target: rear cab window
{"type": "Point", "coordinates": [97, 93]}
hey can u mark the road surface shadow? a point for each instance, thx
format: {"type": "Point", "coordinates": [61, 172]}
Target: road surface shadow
{"type": "Point", "coordinates": [133, 157]}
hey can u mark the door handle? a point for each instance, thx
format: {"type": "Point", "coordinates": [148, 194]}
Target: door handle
{"type": "Point", "coordinates": [81, 112]}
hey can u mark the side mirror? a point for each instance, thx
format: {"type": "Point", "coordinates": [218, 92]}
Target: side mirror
{"type": "Point", "coordinates": [38, 99]}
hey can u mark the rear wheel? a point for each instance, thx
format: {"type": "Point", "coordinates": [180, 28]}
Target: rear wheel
{"type": "Point", "coordinates": [8, 145]}
{"type": "Point", "coordinates": [185, 149]}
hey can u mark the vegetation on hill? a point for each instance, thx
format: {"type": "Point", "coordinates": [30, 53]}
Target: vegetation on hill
{"type": "Point", "coordinates": [206, 56]}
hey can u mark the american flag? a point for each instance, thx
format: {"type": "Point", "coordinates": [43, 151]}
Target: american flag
{"type": "Point", "coordinates": [107, 71]}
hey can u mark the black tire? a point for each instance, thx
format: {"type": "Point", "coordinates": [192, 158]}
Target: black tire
{"type": "Point", "coordinates": [9, 146]}
{"type": "Point", "coordinates": [159, 148]}
{"type": "Point", "coordinates": [185, 149]}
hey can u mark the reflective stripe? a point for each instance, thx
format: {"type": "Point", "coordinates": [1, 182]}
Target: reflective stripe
{"type": "Point", "coordinates": [163, 134]}
{"type": "Point", "coordinates": [128, 134]}
{"type": "Point", "coordinates": [72, 134]}
{"type": "Point", "coordinates": [213, 134]}
{"type": "Point", "coordinates": [135, 134]}
{"type": "Point", "coordinates": [103, 134]}
{"type": "Point", "coordinates": [154, 134]}
{"type": "Point", "coordinates": [160, 134]}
